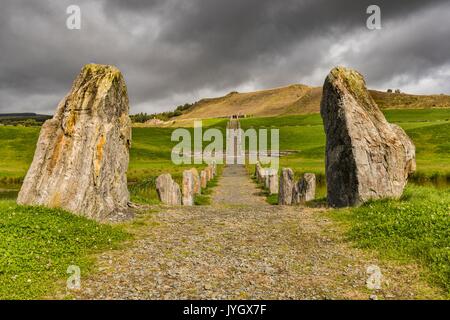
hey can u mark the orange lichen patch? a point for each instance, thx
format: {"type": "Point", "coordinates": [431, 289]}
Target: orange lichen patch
{"type": "Point", "coordinates": [71, 121]}
{"type": "Point", "coordinates": [99, 155]}
{"type": "Point", "coordinates": [55, 201]}
{"type": "Point", "coordinates": [56, 152]}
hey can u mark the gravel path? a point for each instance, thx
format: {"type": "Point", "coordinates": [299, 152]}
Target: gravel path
{"type": "Point", "coordinates": [241, 248]}
{"type": "Point", "coordinates": [235, 188]}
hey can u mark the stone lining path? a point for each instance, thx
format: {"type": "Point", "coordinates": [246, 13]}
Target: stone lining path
{"type": "Point", "coordinates": [241, 248]}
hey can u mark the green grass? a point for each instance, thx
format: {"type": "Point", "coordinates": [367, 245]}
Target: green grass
{"type": "Point", "coordinates": [38, 244]}
{"type": "Point", "coordinates": [304, 135]}
{"type": "Point", "coordinates": [301, 134]}
{"type": "Point", "coordinates": [414, 228]}
{"type": "Point", "coordinates": [32, 247]}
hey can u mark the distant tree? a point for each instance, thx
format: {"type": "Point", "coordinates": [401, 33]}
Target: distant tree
{"type": "Point", "coordinates": [397, 91]}
{"type": "Point", "coordinates": [30, 122]}
{"type": "Point", "coordinates": [389, 90]}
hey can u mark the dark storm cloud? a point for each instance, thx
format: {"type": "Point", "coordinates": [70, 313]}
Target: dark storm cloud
{"type": "Point", "coordinates": [177, 51]}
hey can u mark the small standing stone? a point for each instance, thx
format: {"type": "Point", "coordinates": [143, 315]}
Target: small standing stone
{"type": "Point", "coordinates": [262, 175]}
{"type": "Point", "coordinates": [203, 178]}
{"type": "Point", "coordinates": [214, 168]}
{"type": "Point", "coordinates": [209, 173]}
{"type": "Point", "coordinates": [305, 189]}
{"type": "Point", "coordinates": [188, 188]}
{"type": "Point", "coordinates": [197, 182]}
{"type": "Point", "coordinates": [257, 170]}
{"type": "Point", "coordinates": [273, 182]}
{"type": "Point", "coordinates": [286, 186]}
{"type": "Point", "coordinates": [168, 190]}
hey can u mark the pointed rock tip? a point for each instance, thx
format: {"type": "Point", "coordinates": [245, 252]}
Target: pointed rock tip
{"type": "Point", "coordinates": [101, 69]}
{"type": "Point", "coordinates": [353, 81]}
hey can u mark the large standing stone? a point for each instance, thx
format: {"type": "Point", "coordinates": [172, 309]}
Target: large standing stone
{"type": "Point", "coordinates": [168, 190]}
{"type": "Point", "coordinates": [188, 188]}
{"type": "Point", "coordinates": [82, 154]}
{"type": "Point", "coordinates": [305, 189]}
{"type": "Point", "coordinates": [197, 182]}
{"type": "Point", "coordinates": [366, 157]}
{"type": "Point", "coordinates": [286, 186]}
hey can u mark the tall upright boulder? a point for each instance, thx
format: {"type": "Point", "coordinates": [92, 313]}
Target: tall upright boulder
{"type": "Point", "coordinates": [82, 154]}
{"type": "Point", "coordinates": [366, 157]}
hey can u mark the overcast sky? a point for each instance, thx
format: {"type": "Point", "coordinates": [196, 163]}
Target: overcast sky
{"type": "Point", "coordinates": [177, 51]}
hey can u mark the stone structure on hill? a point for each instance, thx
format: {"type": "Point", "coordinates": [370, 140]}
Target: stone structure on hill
{"type": "Point", "coordinates": [82, 154]}
{"type": "Point", "coordinates": [366, 157]}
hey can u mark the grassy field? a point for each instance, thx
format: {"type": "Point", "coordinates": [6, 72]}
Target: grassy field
{"type": "Point", "coordinates": [301, 134]}
{"type": "Point", "coordinates": [414, 228]}
{"type": "Point", "coordinates": [34, 252]}
{"type": "Point", "coordinates": [37, 245]}
{"type": "Point", "coordinates": [304, 136]}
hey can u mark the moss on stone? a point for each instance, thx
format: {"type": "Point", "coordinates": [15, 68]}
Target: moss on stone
{"type": "Point", "coordinates": [354, 82]}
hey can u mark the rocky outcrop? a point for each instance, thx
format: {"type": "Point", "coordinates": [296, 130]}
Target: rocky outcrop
{"type": "Point", "coordinates": [286, 186]}
{"type": "Point", "coordinates": [305, 189]}
{"type": "Point", "coordinates": [82, 154]}
{"type": "Point", "coordinates": [366, 157]}
{"type": "Point", "coordinates": [188, 188]}
{"type": "Point", "coordinates": [168, 190]}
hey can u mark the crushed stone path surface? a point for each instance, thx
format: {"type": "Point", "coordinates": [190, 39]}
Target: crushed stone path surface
{"type": "Point", "coordinates": [235, 188]}
{"type": "Point", "coordinates": [241, 248]}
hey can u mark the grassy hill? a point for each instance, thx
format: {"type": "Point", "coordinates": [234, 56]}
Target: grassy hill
{"type": "Point", "coordinates": [26, 118]}
{"type": "Point", "coordinates": [297, 99]}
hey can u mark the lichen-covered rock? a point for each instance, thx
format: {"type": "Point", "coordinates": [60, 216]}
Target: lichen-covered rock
{"type": "Point", "coordinates": [366, 157]}
{"type": "Point", "coordinates": [168, 190]}
{"type": "Point", "coordinates": [82, 154]}
{"type": "Point", "coordinates": [305, 189]}
{"type": "Point", "coordinates": [188, 188]}
{"type": "Point", "coordinates": [286, 186]}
